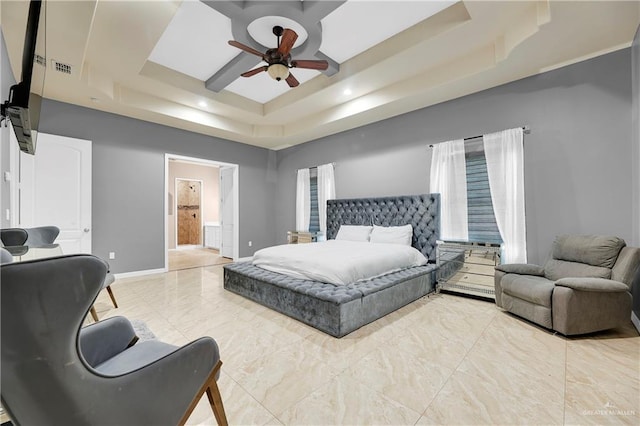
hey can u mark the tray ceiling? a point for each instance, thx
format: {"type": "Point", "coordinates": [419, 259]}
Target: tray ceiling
{"type": "Point", "coordinates": [169, 62]}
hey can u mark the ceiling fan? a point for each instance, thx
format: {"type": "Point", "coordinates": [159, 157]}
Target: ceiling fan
{"type": "Point", "coordinates": [279, 59]}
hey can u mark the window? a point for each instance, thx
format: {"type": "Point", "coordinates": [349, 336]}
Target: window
{"type": "Point", "coordinates": [314, 186]}
{"type": "Point", "coordinates": [481, 217]}
{"type": "Point", "coordinates": [481, 187]}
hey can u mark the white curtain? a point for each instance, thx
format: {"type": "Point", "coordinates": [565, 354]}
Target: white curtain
{"type": "Point", "coordinates": [326, 191]}
{"type": "Point", "coordinates": [303, 200]}
{"type": "Point", "coordinates": [505, 165]}
{"type": "Point", "coordinates": [449, 179]}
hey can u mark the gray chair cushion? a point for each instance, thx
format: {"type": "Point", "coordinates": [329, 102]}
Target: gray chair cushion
{"type": "Point", "coordinates": [533, 289]}
{"type": "Point", "coordinates": [557, 269]}
{"type": "Point", "coordinates": [593, 250]}
{"type": "Point", "coordinates": [139, 355]}
{"type": "Point", "coordinates": [102, 340]}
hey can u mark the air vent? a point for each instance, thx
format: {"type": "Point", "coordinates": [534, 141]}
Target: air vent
{"type": "Point", "coordinates": [62, 67]}
{"type": "Point", "coordinates": [40, 60]}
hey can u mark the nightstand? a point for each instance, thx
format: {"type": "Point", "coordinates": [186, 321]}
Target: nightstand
{"type": "Point", "coordinates": [300, 237]}
{"type": "Point", "coordinates": [467, 268]}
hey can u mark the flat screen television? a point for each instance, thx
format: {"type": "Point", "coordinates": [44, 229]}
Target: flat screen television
{"type": "Point", "coordinates": [23, 105]}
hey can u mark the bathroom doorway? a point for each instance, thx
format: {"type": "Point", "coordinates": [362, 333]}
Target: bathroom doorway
{"type": "Point", "coordinates": [194, 219]}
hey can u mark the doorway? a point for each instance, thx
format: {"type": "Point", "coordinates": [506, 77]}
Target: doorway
{"type": "Point", "coordinates": [204, 232]}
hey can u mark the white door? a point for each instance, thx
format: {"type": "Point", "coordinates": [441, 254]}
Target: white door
{"type": "Point", "coordinates": [227, 211]}
{"type": "Point", "coordinates": [55, 189]}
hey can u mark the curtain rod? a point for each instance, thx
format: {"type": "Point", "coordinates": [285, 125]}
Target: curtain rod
{"type": "Point", "coordinates": [525, 129]}
{"type": "Point", "coordinates": [315, 167]}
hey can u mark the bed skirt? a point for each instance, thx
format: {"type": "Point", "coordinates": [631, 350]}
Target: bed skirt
{"type": "Point", "coordinates": [335, 310]}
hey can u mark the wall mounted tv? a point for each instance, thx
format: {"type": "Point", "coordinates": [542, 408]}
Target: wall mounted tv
{"type": "Point", "coordinates": [23, 105]}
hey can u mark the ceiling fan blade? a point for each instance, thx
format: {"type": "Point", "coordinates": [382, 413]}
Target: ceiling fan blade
{"type": "Point", "coordinates": [246, 48]}
{"type": "Point", "coordinates": [310, 64]}
{"type": "Point", "coordinates": [289, 37]}
{"type": "Point", "coordinates": [254, 71]}
{"type": "Point", "coordinates": [291, 81]}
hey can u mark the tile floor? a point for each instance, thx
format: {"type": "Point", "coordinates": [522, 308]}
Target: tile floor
{"type": "Point", "coordinates": [195, 257]}
{"type": "Point", "coordinates": [443, 359]}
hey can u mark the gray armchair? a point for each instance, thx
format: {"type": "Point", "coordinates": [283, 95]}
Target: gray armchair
{"type": "Point", "coordinates": [13, 236]}
{"type": "Point", "coordinates": [584, 287]}
{"type": "Point", "coordinates": [41, 235]}
{"type": "Point", "coordinates": [54, 372]}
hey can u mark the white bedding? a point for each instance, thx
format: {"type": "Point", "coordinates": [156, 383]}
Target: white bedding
{"type": "Point", "coordinates": [337, 262]}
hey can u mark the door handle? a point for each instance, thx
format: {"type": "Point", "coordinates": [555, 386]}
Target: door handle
{"type": "Point", "coordinates": [194, 215]}
{"type": "Point", "coordinates": [86, 230]}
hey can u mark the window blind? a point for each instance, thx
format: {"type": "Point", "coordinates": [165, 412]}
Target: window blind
{"type": "Point", "coordinates": [314, 222]}
{"type": "Point", "coordinates": [481, 218]}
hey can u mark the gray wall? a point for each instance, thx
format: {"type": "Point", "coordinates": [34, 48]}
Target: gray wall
{"type": "Point", "coordinates": [128, 182]}
{"type": "Point", "coordinates": [6, 81]}
{"type": "Point", "coordinates": [578, 164]}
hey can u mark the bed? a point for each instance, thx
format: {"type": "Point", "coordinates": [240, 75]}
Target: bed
{"type": "Point", "coordinates": [340, 309]}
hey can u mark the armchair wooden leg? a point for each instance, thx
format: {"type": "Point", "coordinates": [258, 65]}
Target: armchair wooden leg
{"type": "Point", "coordinates": [113, 299]}
{"type": "Point", "coordinates": [94, 314]}
{"type": "Point", "coordinates": [215, 399]}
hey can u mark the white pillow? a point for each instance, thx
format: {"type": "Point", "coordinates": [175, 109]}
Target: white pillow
{"type": "Point", "coordinates": [354, 233]}
{"type": "Point", "coordinates": [392, 234]}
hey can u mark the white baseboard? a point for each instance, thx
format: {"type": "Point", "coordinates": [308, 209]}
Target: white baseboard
{"type": "Point", "coordinates": [140, 273]}
{"type": "Point", "coordinates": [636, 321]}
{"type": "Point", "coordinates": [163, 270]}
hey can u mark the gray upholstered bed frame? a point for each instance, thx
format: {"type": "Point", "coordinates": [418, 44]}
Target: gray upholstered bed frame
{"type": "Point", "coordinates": [339, 310]}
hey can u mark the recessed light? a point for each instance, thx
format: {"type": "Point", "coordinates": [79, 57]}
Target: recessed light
{"type": "Point", "coordinates": [347, 92]}
{"type": "Point", "coordinates": [203, 104]}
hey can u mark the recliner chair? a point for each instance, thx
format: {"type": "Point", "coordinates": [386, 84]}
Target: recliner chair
{"type": "Point", "coordinates": [54, 372]}
{"type": "Point", "coordinates": [584, 287]}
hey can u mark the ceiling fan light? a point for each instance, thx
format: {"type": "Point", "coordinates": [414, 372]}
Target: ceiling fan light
{"type": "Point", "coordinates": [278, 71]}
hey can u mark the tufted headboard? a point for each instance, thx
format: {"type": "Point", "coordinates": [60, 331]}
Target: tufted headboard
{"type": "Point", "coordinates": [421, 211]}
